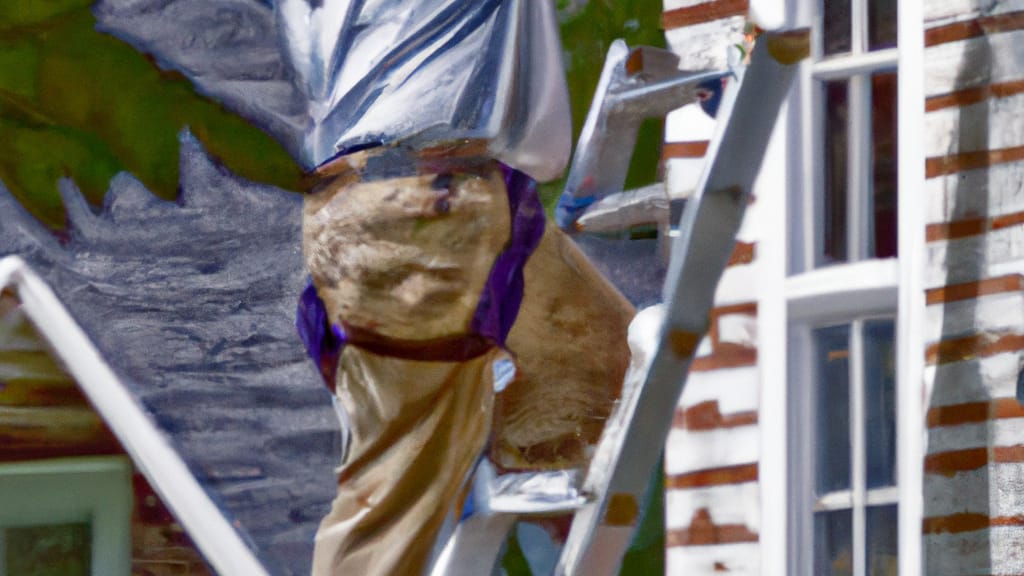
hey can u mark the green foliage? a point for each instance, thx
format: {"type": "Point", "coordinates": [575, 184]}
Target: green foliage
{"type": "Point", "coordinates": [586, 37]}
{"type": "Point", "coordinates": [646, 556]}
{"type": "Point", "coordinates": [514, 563]}
{"type": "Point", "coordinates": [56, 550]}
{"type": "Point", "coordinates": [77, 103]}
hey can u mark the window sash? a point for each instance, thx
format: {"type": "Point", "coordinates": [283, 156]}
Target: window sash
{"type": "Point", "coordinates": [856, 67]}
{"type": "Point", "coordinates": [792, 293]}
{"type": "Point", "coordinates": [845, 499]}
{"type": "Point", "coordinates": [803, 492]}
{"type": "Point", "coordinates": [38, 493]}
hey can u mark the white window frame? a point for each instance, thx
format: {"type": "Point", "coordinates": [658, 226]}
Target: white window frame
{"type": "Point", "coordinates": [858, 496]}
{"type": "Point", "coordinates": [841, 292]}
{"type": "Point", "coordinates": [97, 491]}
{"type": "Point", "coordinates": [856, 67]}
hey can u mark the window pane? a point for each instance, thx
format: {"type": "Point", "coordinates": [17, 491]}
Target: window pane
{"type": "Point", "coordinates": [881, 24]}
{"type": "Point", "coordinates": [880, 402]}
{"type": "Point", "coordinates": [833, 544]}
{"type": "Point", "coordinates": [56, 550]}
{"type": "Point", "coordinates": [836, 34]}
{"type": "Point", "coordinates": [884, 165]}
{"type": "Point", "coordinates": [836, 143]}
{"type": "Point", "coordinates": [882, 541]}
{"type": "Point", "coordinates": [832, 441]}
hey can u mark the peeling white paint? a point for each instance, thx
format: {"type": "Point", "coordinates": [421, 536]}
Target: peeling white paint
{"type": "Point", "coordinates": [1002, 313]}
{"type": "Point", "coordinates": [996, 253]}
{"type": "Point", "coordinates": [738, 284]}
{"type": "Point", "coordinates": [987, 125]}
{"type": "Point", "coordinates": [706, 46]}
{"type": "Point", "coordinates": [735, 560]}
{"type": "Point", "coordinates": [688, 124]}
{"type": "Point", "coordinates": [974, 62]}
{"type": "Point", "coordinates": [738, 329]}
{"type": "Point", "coordinates": [729, 504]}
{"type": "Point", "coordinates": [682, 176]}
{"type": "Point", "coordinates": [998, 550]}
{"type": "Point", "coordinates": [689, 451]}
{"type": "Point", "coordinates": [735, 389]}
{"type": "Point", "coordinates": [938, 12]}
{"type": "Point", "coordinates": [996, 490]}
{"type": "Point", "coordinates": [979, 193]}
{"type": "Point", "coordinates": [998, 432]}
{"type": "Point", "coordinates": [975, 380]}
{"type": "Point", "coordinates": [674, 4]}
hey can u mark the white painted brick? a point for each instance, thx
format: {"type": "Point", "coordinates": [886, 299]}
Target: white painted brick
{"type": "Point", "coordinates": [997, 253]}
{"type": "Point", "coordinates": [996, 313]}
{"type": "Point", "coordinates": [996, 490]}
{"type": "Point", "coordinates": [973, 381]}
{"type": "Point", "coordinates": [974, 62]}
{"type": "Point", "coordinates": [999, 550]}
{"type": "Point", "coordinates": [674, 4]}
{"type": "Point", "coordinates": [1007, 493]}
{"type": "Point", "coordinates": [735, 389]}
{"type": "Point", "coordinates": [987, 125]}
{"type": "Point", "coordinates": [706, 46]}
{"type": "Point", "coordinates": [1000, 432]}
{"type": "Point", "coordinates": [739, 329]}
{"type": "Point", "coordinates": [1004, 268]}
{"type": "Point", "coordinates": [977, 193]}
{"type": "Point", "coordinates": [753, 225]}
{"type": "Point", "coordinates": [704, 348]}
{"type": "Point", "coordinates": [937, 12]}
{"type": "Point", "coordinates": [735, 559]}
{"type": "Point", "coordinates": [688, 451]}
{"type": "Point", "coordinates": [729, 504]}
{"type": "Point", "coordinates": [962, 437]}
{"type": "Point", "coordinates": [682, 176]}
{"type": "Point", "coordinates": [966, 492]}
{"type": "Point", "coordinates": [738, 284]}
{"type": "Point", "coordinates": [688, 124]}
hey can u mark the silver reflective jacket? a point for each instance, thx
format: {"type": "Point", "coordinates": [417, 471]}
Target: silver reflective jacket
{"type": "Point", "coordinates": [327, 77]}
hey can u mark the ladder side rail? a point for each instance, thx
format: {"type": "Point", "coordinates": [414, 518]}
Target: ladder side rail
{"type": "Point", "coordinates": [618, 479]}
{"type": "Point", "coordinates": [623, 99]}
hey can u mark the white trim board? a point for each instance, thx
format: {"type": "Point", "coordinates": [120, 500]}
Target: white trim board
{"type": "Point", "coordinates": [94, 490]}
{"type": "Point", "coordinates": [162, 466]}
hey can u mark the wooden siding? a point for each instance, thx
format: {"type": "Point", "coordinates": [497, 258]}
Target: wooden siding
{"type": "Point", "coordinates": [43, 415]}
{"type": "Point", "coordinates": [42, 412]}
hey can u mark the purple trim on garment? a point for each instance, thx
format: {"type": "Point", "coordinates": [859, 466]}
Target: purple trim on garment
{"type": "Point", "coordinates": [499, 302]}
{"type": "Point", "coordinates": [322, 339]}
{"type": "Point", "coordinates": [503, 293]}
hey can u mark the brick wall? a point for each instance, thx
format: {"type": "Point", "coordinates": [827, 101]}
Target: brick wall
{"type": "Point", "coordinates": [44, 415]}
{"type": "Point", "coordinates": [974, 205]}
{"type": "Point", "coordinates": [974, 201]}
{"type": "Point", "coordinates": [712, 501]}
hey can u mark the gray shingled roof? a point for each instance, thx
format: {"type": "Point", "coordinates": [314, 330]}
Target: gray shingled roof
{"type": "Point", "coordinates": [192, 304]}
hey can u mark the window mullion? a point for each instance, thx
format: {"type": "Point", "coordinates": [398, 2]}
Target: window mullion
{"type": "Point", "coordinates": [805, 489]}
{"type": "Point", "coordinates": [858, 27]}
{"type": "Point", "coordinates": [859, 162]}
{"type": "Point", "coordinates": [813, 179]}
{"type": "Point", "coordinates": [882, 496]}
{"type": "Point", "coordinates": [858, 438]}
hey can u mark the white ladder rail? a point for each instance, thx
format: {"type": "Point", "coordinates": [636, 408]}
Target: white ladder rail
{"type": "Point", "coordinates": [631, 445]}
